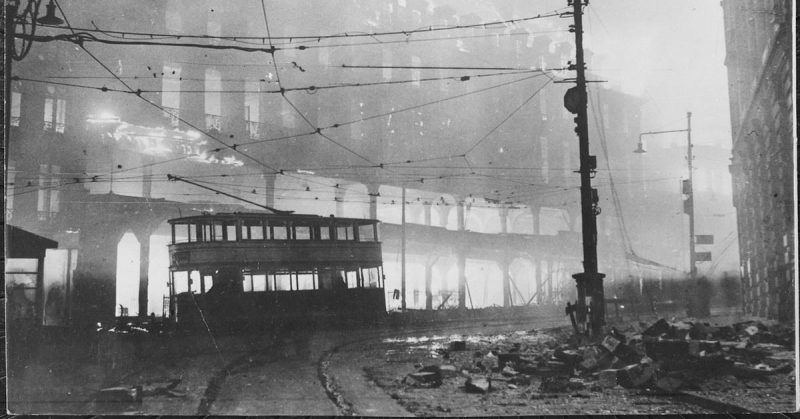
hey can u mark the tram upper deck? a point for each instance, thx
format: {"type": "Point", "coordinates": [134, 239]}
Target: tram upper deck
{"type": "Point", "coordinates": [263, 242]}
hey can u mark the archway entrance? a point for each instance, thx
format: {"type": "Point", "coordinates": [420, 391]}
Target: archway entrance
{"type": "Point", "coordinates": [127, 276]}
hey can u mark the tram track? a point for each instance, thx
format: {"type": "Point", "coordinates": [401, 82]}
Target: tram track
{"type": "Point", "coordinates": [268, 353]}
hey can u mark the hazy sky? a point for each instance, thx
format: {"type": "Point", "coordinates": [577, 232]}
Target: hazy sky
{"type": "Point", "coordinates": [672, 54]}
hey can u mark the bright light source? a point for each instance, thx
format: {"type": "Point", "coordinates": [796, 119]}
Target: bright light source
{"type": "Point", "coordinates": [305, 172]}
{"type": "Point", "coordinates": [103, 118]}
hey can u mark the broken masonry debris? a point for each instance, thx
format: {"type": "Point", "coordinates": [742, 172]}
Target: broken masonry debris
{"type": "Point", "coordinates": [520, 380]}
{"type": "Point", "coordinates": [607, 378]}
{"type": "Point", "coordinates": [478, 385]}
{"type": "Point", "coordinates": [505, 358]}
{"type": "Point", "coordinates": [568, 356]}
{"type": "Point", "coordinates": [554, 384]}
{"type": "Point", "coordinates": [458, 345]}
{"type": "Point", "coordinates": [429, 376]}
{"type": "Point", "coordinates": [669, 384]}
{"type": "Point", "coordinates": [667, 349]}
{"type": "Point", "coordinates": [423, 379]}
{"type": "Point", "coordinates": [576, 384]}
{"type": "Point", "coordinates": [448, 370]}
{"type": "Point", "coordinates": [507, 371]}
{"type": "Point", "coordinates": [658, 328]}
{"type": "Point", "coordinates": [610, 343]}
{"type": "Point", "coordinates": [635, 375]}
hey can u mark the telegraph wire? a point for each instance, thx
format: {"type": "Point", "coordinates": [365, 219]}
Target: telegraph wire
{"type": "Point", "coordinates": [161, 107]}
{"type": "Point", "coordinates": [355, 121]}
{"type": "Point", "coordinates": [317, 130]}
{"type": "Point", "coordinates": [268, 38]}
{"type": "Point", "coordinates": [514, 112]}
{"type": "Point", "coordinates": [380, 115]}
{"type": "Point", "coordinates": [396, 111]}
{"type": "Point", "coordinates": [152, 103]}
{"type": "Point", "coordinates": [225, 144]}
{"type": "Point", "coordinates": [309, 89]}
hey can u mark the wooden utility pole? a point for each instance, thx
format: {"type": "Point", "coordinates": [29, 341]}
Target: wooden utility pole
{"type": "Point", "coordinates": [589, 282]}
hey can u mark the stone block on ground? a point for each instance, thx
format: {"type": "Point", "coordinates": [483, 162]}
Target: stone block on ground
{"type": "Point", "coordinates": [507, 357]}
{"type": "Point", "coordinates": [490, 362]}
{"type": "Point", "coordinates": [568, 356]}
{"type": "Point", "coordinates": [635, 375]}
{"type": "Point", "coordinates": [627, 353]}
{"type": "Point", "coordinates": [554, 384]}
{"type": "Point", "coordinates": [610, 343]}
{"type": "Point", "coordinates": [657, 329]}
{"type": "Point", "coordinates": [507, 371]}
{"type": "Point", "coordinates": [520, 380]}
{"type": "Point", "coordinates": [669, 384]}
{"type": "Point", "coordinates": [697, 347]}
{"type": "Point", "coordinates": [667, 348]}
{"type": "Point", "coordinates": [457, 345]}
{"type": "Point", "coordinates": [429, 376]}
{"type": "Point", "coordinates": [448, 370]}
{"type": "Point", "coordinates": [607, 378]}
{"type": "Point", "coordinates": [478, 385]}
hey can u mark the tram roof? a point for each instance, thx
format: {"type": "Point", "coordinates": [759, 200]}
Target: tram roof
{"type": "Point", "coordinates": [270, 216]}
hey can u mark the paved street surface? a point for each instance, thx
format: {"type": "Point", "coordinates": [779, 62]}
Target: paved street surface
{"type": "Point", "coordinates": [365, 372]}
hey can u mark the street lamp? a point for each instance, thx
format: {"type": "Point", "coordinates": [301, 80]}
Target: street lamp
{"type": "Point", "coordinates": [688, 204]}
{"type": "Point", "coordinates": [50, 18]}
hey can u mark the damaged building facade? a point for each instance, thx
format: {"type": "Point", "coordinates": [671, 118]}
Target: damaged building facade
{"type": "Point", "coordinates": [758, 39]}
{"type": "Point", "coordinates": [88, 160]}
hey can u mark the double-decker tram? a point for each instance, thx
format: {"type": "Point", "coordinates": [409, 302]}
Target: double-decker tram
{"type": "Point", "coordinates": [246, 270]}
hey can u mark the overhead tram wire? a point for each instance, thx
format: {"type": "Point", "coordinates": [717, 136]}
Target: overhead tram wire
{"type": "Point", "coordinates": [240, 40]}
{"type": "Point", "coordinates": [210, 136]}
{"type": "Point", "coordinates": [462, 77]}
{"type": "Point", "coordinates": [352, 121]}
{"type": "Point", "coordinates": [259, 162]}
{"type": "Point", "coordinates": [310, 88]}
{"type": "Point", "coordinates": [316, 129]}
{"type": "Point", "coordinates": [270, 39]}
{"type": "Point", "coordinates": [511, 114]}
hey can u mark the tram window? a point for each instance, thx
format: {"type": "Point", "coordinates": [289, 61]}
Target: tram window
{"type": "Point", "coordinates": [366, 233]}
{"type": "Point", "coordinates": [194, 279]}
{"type": "Point", "coordinates": [259, 282]}
{"type": "Point", "coordinates": [305, 281]}
{"type": "Point", "coordinates": [247, 284]}
{"type": "Point", "coordinates": [302, 232]}
{"type": "Point", "coordinates": [218, 229]}
{"type": "Point", "coordinates": [206, 228]}
{"type": "Point", "coordinates": [371, 277]}
{"type": "Point", "coordinates": [230, 232]}
{"type": "Point", "coordinates": [252, 230]}
{"type": "Point", "coordinates": [180, 281]}
{"type": "Point", "coordinates": [192, 232]}
{"type": "Point", "coordinates": [181, 233]}
{"type": "Point", "coordinates": [352, 279]}
{"type": "Point", "coordinates": [279, 231]}
{"type": "Point", "coordinates": [282, 282]}
{"type": "Point", "coordinates": [324, 232]}
{"type": "Point", "coordinates": [344, 232]}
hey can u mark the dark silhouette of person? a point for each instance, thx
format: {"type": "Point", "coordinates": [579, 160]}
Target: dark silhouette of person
{"type": "Point", "coordinates": [227, 280]}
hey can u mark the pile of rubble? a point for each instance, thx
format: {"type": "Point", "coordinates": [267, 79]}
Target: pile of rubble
{"type": "Point", "coordinates": [663, 356]}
